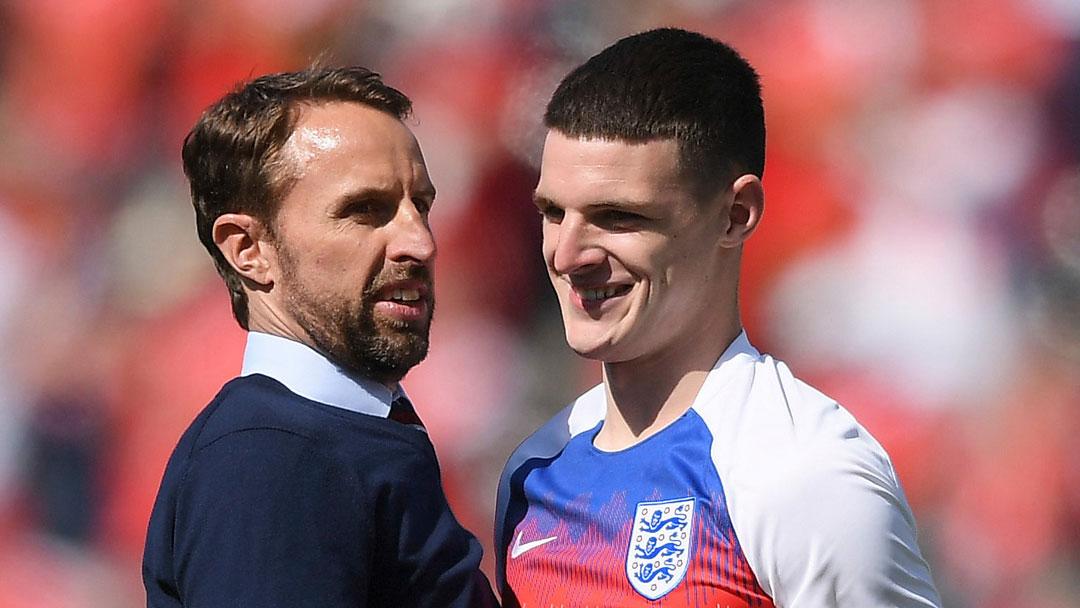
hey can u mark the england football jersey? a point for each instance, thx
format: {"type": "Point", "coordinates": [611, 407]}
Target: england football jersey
{"type": "Point", "coordinates": [764, 493]}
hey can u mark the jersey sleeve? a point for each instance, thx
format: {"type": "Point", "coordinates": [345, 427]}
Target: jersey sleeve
{"type": "Point", "coordinates": [510, 505]}
{"type": "Point", "coordinates": [263, 519]}
{"type": "Point", "coordinates": [836, 532]}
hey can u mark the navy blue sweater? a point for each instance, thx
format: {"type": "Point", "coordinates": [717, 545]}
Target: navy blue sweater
{"type": "Point", "coordinates": [273, 500]}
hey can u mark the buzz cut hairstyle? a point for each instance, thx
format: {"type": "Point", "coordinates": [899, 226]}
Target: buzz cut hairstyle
{"type": "Point", "coordinates": [669, 84]}
{"type": "Point", "coordinates": [233, 155]}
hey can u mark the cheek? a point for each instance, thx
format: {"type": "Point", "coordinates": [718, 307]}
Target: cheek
{"type": "Point", "coordinates": [682, 258]}
{"type": "Point", "coordinates": [644, 256]}
{"type": "Point", "coordinates": [360, 254]}
{"type": "Point", "coordinates": [331, 266]}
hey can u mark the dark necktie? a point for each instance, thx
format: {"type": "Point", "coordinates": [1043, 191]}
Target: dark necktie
{"type": "Point", "coordinates": [401, 410]}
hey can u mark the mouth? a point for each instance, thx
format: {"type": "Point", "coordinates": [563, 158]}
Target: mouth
{"type": "Point", "coordinates": [404, 300]}
{"type": "Point", "coordinates": [594, 297]}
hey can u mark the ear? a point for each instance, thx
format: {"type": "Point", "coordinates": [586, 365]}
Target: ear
{"type": "Point", "coordinates": [744, 213]}
{"type": "Point", "coordinates": [239, 237]}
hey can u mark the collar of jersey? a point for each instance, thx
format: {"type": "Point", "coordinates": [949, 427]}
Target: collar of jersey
{"type": "Point", "coordinates": [589, 409]}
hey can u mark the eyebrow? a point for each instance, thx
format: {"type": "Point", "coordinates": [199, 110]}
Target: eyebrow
{"type": "Point", "coordinates": [364, 192]}
{"type": "Point", "coordinates": [429, 192]}
{"type": "Point", "coordinates": [542, 201]}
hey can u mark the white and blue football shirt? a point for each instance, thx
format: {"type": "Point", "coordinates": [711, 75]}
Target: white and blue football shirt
{"type": "Point", "coordinates": [764, 493]}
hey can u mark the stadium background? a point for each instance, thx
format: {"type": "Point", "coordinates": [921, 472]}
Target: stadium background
{"type": "Point", "coordinates": [919, 258]}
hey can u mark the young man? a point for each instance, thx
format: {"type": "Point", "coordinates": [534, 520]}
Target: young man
{"type": "Point", "coordinates": [308, 480]}
{"type": "Point", "coordinates": [700, 472]}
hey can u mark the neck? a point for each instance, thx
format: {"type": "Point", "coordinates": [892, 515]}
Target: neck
{"type": "Point", "coordinates": [645, 395]}
{"type": "Point", "coordinates": [264, 317]}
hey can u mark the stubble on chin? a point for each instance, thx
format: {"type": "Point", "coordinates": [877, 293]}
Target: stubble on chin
{"type": "Point", "coordinates": [347, 331]}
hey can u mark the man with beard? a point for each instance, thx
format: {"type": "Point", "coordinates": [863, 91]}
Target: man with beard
{"type": "Point", "coordinates": [309, 480]}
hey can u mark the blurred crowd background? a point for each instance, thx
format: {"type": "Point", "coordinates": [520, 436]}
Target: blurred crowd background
{"type": "Point", "coordinates": [919, 258]}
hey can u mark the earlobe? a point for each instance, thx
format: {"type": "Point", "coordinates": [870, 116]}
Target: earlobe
{"type": "Point", "coordinates": [238, 237]}
{"type": "Point", "coordinates": [747, 205]}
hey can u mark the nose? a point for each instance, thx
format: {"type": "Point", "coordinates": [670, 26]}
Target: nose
{"type": "Point", "coordinates": [412, 239]}
{"type": "Point", "coordinates": [573, 246]}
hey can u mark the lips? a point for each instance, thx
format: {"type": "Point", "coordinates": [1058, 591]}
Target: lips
{"type": "Point", "coordinates": [593, 297]}
{"type": "Point", "coordinates": [406, 300]}
{"type": "Point", "coordinates": [404, 294]}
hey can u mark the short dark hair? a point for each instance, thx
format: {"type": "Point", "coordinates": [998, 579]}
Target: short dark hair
{"type": "Point", "coordinates": [669, 84]}
{"type": "Point", "coordinates": [232, 156]}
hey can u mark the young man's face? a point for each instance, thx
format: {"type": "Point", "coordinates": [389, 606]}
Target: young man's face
{"type": "Point", "coordinates": [353, 241]}
{"type": "Point", "coordinates": [633, 255]}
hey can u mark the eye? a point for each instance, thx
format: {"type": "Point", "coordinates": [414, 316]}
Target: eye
{"type": "Point", "coordinates": [551, 213]}
{"type": "Point", "coordinates": [423, 204]}
{"type": "Point", "coordinates": [360, 207]}
{"type": "Point", "coordinates": [621, 216]}
{"type": "Point", "coordinates": [368, 210]}
{"type": "Point", "coordinates": [618, 219]}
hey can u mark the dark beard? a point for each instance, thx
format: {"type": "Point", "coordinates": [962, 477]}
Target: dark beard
{"type": "Point", "coordinates": [347, 332]}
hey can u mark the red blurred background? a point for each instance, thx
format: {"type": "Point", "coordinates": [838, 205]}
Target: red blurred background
{"type": "Point", "coordinates": [919, 258]}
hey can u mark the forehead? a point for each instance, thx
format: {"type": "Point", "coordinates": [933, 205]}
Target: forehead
{"type": "Point", "coordinates": [350, 141]}
{"type": "Point", "coordinates": [588, 169]}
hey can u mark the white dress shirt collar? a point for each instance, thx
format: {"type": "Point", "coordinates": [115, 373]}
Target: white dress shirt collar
{"type": "Point", "coordinates": [309, 374]}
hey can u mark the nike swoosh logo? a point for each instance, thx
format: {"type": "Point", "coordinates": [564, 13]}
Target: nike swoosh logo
{"type": "Point", "coordinates": [520, 548]}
